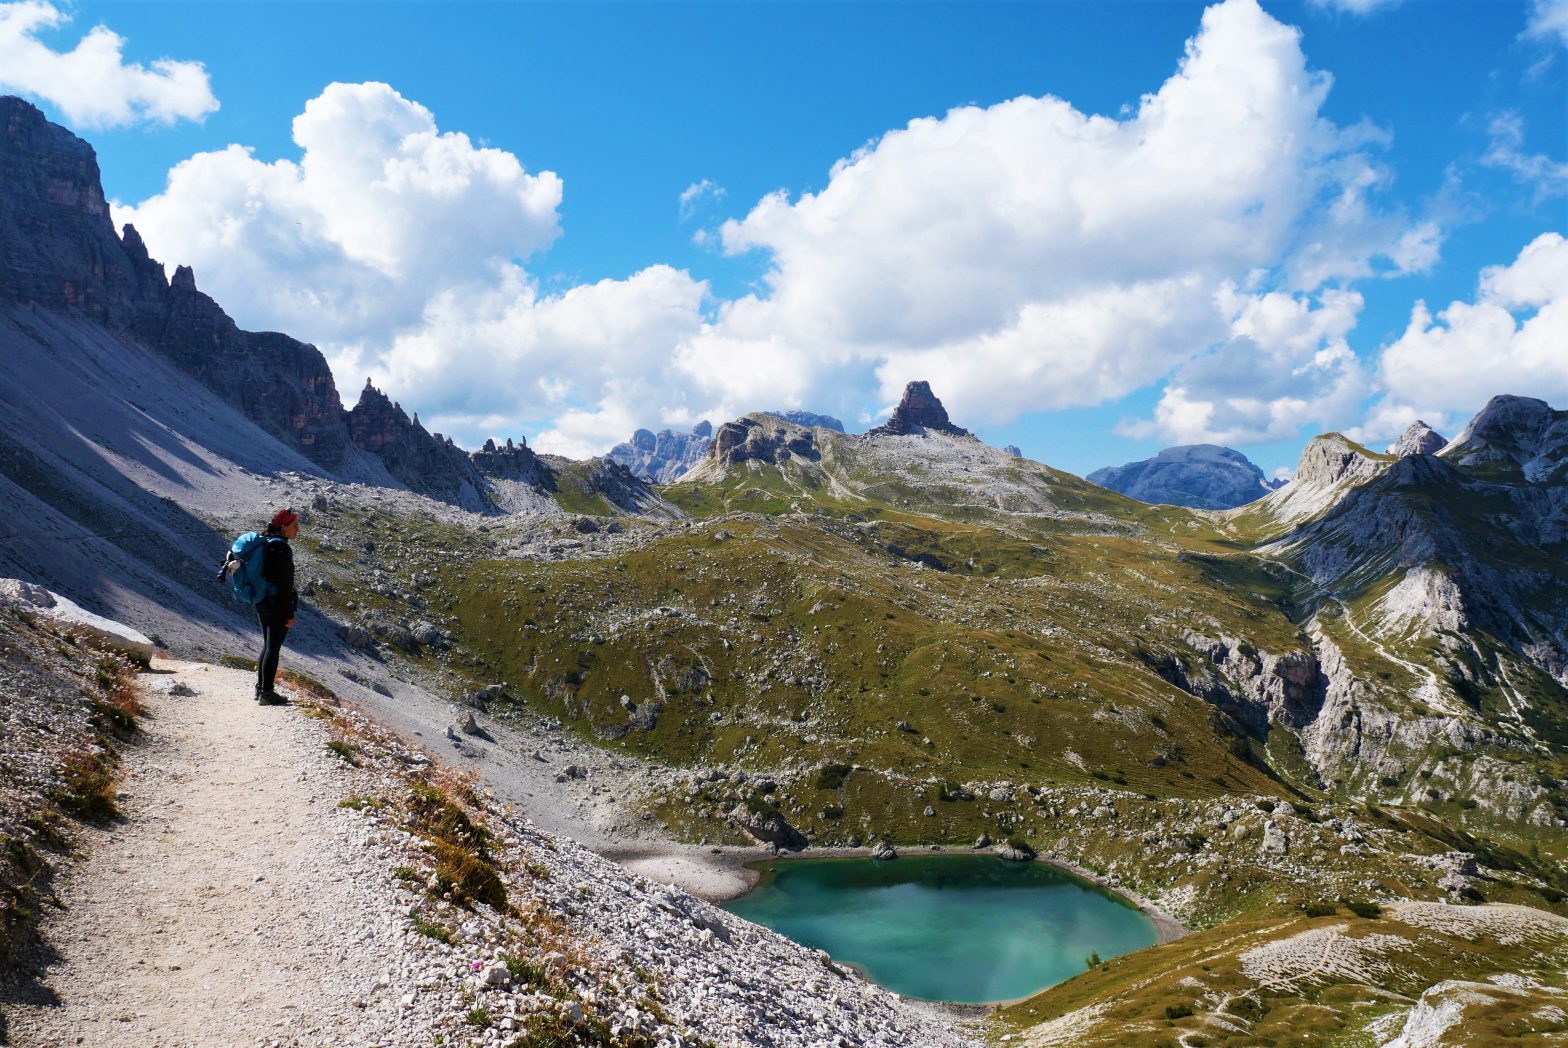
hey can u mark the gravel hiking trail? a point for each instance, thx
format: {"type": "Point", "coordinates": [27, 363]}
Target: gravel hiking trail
{"type": "Point", "coordinates": [227, 906]}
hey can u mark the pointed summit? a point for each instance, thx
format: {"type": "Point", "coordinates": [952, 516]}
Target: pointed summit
{"type": "Point", "coordinates": [920, 412]}
{"type": "Point", "coordinates": [1419, 439]}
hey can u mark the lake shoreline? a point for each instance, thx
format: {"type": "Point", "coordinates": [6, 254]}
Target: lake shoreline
{"type": "Point", "coordinates": [718, 874]}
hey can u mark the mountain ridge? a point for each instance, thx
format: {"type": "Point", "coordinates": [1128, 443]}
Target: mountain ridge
{"type": "Point", "coordinates": [1197, 476]}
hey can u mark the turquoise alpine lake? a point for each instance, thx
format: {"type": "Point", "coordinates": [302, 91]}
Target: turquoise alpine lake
{"type": "Point", "coordinates": [966, 928]}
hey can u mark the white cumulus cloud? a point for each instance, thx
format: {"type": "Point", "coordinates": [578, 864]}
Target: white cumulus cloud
{"type": "Point", "coordinates": [1284, 365]}
{"type": "Point", "coordinates": [1512, 338]}
{"type": "Point", "coordinates": [1029, 256]}
{"type": "Point", "coordinates": [381, 213]}
{"type": "Point", "coordinates": [92, 84]}
{"type": "Point", "coordinates": [399, 248]}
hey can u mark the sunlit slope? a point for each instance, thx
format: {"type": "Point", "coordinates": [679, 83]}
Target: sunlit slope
{"type": "Point", "coordinates": [798, 640]}
{"type": "Point", "coordinates": [1435, 588]}
{"type": "Point", "coordinates": [1444, 975]}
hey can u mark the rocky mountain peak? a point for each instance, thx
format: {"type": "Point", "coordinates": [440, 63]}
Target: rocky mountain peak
{"type": "Point", "coordinates": [511, 461]}
{"type": "Point", "coordinates": [1523, 431]}
{"type": "Point", "coordinates": [1419, 439]}
{"type": "Point", "coordinates": [1332, 458]}
{"type": "Point", "coordinates": [1199, 476]}
{"type": "Point", "coordinates": [918, 413]}
{"type": "Point", "coordinates": [810, 418]}
{"type": "Point", "coordinates": [663, 456]}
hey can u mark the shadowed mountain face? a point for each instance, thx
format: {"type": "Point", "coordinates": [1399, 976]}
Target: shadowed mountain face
{"type": "Point", "coordinates": [1198, 476]}
{"type": "Point", "coordinates": [59, 252]}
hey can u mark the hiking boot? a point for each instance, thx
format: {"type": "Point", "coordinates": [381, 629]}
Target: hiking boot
{"type": "Point", "coordinates": [271, 698]}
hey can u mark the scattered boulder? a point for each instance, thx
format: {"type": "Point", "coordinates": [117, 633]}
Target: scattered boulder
{"type": "Point", "coordinates": [1274, 840]}
{"type": "Point", "coordinates": [465, 721]}
{"type": "Point", "coordinates": [72, 617]}
{"type": "Point", "coordinates": [1016, 851]}
{"type": "Point", "coordinates": [982, 841]}
{"type": "Point", "coordinates": [767, 827]}
{"type": "Point", "coordinates": [884, 851]}
{"type": "Point", "coordinates": [429, 635]}
{"type": "Point", "coordinates": [354, 636]}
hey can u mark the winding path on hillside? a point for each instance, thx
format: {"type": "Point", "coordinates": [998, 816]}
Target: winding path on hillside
{"type": "Point", "coordinates": [227, 907]}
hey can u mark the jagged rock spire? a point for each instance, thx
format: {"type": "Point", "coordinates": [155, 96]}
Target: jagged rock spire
{"type": "Point", "coordinates": [919, 412]}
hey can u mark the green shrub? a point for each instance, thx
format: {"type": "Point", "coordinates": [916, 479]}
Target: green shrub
{"type": "Point", "coordinates": [1177, 1011]}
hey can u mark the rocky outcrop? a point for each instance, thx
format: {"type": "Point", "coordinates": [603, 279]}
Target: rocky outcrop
{"type": "Point", "coordinates": [1419, 439]}
{"type": "Point", "coordinates": [919, 412]}
{"type": "Point", "coordinates": [665, 456]}
{"type": "Point", "coordinates": [1330, 466]}
{"type": "Point", "coordinates": [69, 617]}
{"type": "Point", "coordinates": [428, 463]}
{"type": "Point", "coordinates": [606, 483]}
{"type": "Point", "coordinates": [767, 827]}
{"type": "Point", "coordinates": [514, 462]}
{"type": "Point", "coordinates": [1332, 459]}
{"type": "Point", "coordinates": [1199, 476]}
{"type": "Point", "coordinates": [1257, 688]}
{"type": "Point", "coordinates": [762, 438]}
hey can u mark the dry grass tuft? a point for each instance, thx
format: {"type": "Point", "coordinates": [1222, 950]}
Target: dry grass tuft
{"type": "Point", "coordinates": [89, 783]}
{"type": "Point", "coordinates": [460, 847]}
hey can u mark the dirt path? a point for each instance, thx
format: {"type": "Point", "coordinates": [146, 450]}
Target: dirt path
{"type": "Point", "coordinates": [230, 906]}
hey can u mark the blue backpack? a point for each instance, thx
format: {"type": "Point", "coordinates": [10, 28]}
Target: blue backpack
{"type": "Point", "coordinates": [243, 568]}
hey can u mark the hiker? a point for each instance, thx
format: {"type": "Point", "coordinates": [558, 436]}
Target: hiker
{"type": "Point", "coordinates": [276, 610]}
{"type": "Point", "coordinates": [259, 568]}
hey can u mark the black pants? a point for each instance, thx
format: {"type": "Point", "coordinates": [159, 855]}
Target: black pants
{"type": "Point", "coordinates": [273, 631]}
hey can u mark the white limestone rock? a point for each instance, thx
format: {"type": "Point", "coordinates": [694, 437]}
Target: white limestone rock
{"type": "Point", "coordinates": [67, 613]}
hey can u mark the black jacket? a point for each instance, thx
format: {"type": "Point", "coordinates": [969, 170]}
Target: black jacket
{"type": "Point", "coordinates": [277, 567]}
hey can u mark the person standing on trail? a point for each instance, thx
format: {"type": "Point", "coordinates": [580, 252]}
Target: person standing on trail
{"type": "Point", "coordinates": [276, 610]}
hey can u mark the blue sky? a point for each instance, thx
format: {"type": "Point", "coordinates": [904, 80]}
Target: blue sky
{"type": "Point", "coordinates": [1091, 277]}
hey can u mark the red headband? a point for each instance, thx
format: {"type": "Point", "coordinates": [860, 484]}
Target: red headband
{"type": "Point", "coordinates": [283, 518]}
